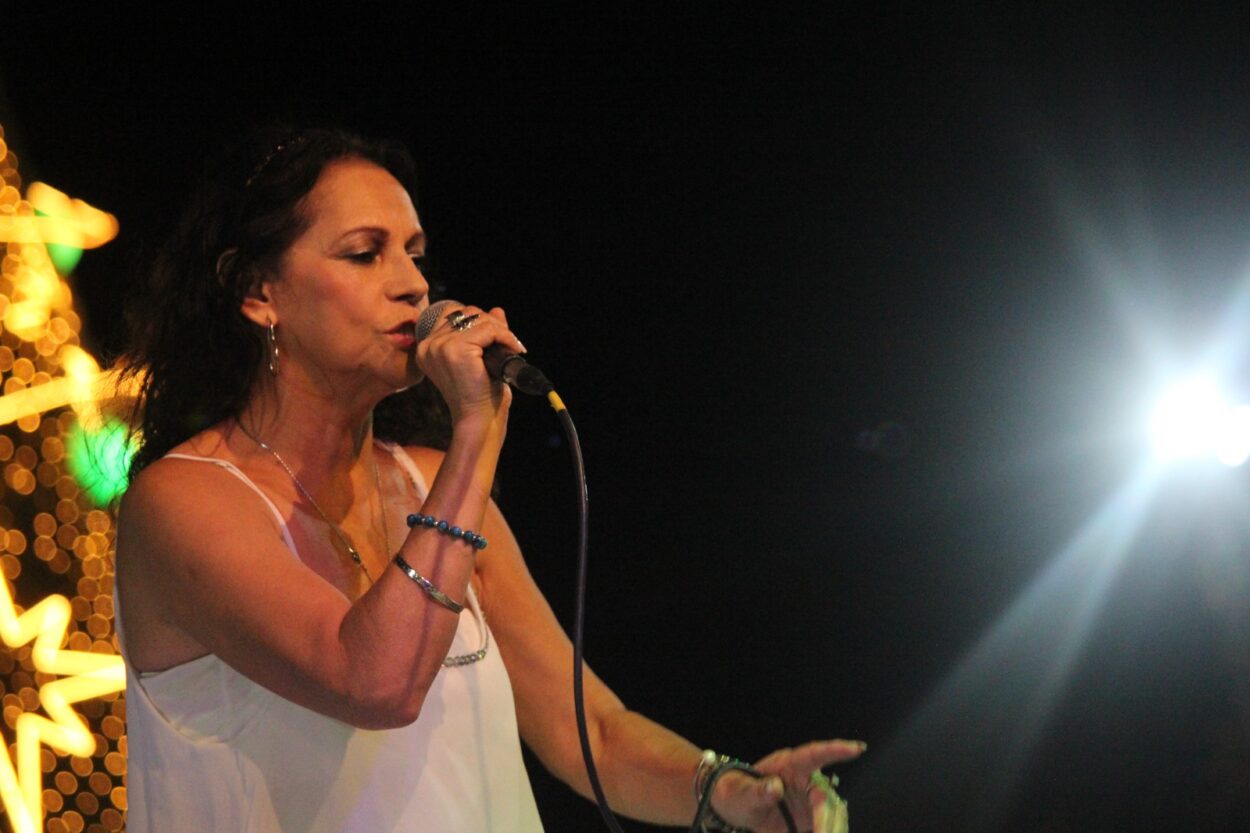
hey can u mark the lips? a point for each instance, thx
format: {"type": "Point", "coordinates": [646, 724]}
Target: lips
{"type": "Point", "coordinates": [403, 334]}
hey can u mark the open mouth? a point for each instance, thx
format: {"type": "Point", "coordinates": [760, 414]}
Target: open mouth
{"type": "Point", "coordinates": [404, 335]}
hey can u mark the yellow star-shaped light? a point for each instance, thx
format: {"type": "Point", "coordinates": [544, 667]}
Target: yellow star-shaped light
{"type": "Point", "coordinates": [83, 675]}
{"type": "Point", "coordinates": [37, 289]}
{"type": "Point", "coordinates": [66, 221]}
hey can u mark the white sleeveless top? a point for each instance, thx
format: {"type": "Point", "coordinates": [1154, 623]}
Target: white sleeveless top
{"type": "Point", "coordinates": [211, 751]}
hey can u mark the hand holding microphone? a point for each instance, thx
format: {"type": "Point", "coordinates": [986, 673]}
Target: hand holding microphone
{"type": "Point", "coordinates": [502, 364]}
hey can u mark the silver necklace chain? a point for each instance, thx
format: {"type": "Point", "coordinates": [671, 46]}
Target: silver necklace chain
{"type": "Point", "coordinates": [338, 533]}
{"type": "Point", "coordinates": [448, 662]}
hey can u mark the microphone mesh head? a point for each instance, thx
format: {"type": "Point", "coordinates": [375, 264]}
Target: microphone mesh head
{"type": "Point", "coordinates": [433, 313]}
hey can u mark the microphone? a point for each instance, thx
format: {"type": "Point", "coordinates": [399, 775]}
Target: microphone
{"type": "Point", "coordinates": [502, 364]}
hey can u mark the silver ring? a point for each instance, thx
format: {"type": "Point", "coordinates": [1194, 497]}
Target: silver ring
{"type": "Point", "coordinates": [464, 322]}
{"type": "Point", "coordinates": [455, 317]}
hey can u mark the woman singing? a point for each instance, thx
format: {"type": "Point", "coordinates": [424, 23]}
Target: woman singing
{"type": "Point", "coordinates": [302, 653]}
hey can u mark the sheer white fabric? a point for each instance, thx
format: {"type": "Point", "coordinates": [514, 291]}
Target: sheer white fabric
{"type": "Point", "coordinates": [213, 752]}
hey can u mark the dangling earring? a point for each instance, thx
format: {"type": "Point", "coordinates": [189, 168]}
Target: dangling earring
{"type": "Point", "coordinates": [272, 340]}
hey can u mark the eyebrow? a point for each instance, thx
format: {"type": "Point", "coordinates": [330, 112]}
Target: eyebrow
{"type": "Point", "coordinates": [379, 231]}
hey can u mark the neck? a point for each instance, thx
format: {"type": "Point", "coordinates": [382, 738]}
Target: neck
{"type": "Point", "coordinates": [327, 443]}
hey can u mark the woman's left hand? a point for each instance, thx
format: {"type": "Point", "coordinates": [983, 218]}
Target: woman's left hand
{"type": "Point", "coordinates": [792, 775]}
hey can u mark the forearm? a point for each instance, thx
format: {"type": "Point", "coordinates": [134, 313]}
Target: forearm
{"type": "Point", "coordinates": [398, 631]}
{"type": "Point", "coordinates": [466, 473]}
{"type": "Point", "coordinates": [647, 770]}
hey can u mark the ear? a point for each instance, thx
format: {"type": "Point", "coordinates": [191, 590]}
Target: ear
{"type": "Point", "coordinates": [257, 306]}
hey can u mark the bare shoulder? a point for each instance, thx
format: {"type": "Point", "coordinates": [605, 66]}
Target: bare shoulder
{"type": "Point", "coordinates": [176, 522]}
{"type": "Point", "coordinates": [175, 494]}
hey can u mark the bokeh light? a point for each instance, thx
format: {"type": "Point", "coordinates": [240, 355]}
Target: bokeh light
{"type": "Point", "coordinates": [65, 771]}
{"type": "Point", "coordinates": [100, 459]}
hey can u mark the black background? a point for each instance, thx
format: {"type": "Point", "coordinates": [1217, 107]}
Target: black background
{"type": "Point", "coordinates": [858, 314]}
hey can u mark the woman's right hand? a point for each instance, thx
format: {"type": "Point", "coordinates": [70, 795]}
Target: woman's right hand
{"type": "Point", "coordinates": [452, 358]}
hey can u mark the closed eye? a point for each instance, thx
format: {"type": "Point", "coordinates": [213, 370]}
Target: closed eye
{"type": "Point", "coordinates": [365, 257]}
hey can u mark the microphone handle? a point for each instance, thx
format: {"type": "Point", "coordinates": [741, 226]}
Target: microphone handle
{"type": "Point", "coordinates": [507, 366]}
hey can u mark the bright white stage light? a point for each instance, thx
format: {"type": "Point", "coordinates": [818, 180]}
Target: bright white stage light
{"type": "Point", "coordinates": [1194, 420]}
{"type": "Point", "coordinates": [1187, 419]}
{"type": "Point", "coordinates": [1233, 443]}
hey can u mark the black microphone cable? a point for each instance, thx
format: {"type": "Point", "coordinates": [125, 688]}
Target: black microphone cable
{"type": "Point", "coordinates": [579, 608]}
{"type": "Point", "coordinates": [514, 370]}
{"type": "Point", "coordinates": [579, 638]}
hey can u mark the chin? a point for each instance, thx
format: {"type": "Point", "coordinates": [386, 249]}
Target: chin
{"type": "Point", "coordinates": [410, 379]}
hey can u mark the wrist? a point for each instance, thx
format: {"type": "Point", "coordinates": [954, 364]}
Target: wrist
{"type": "Point", "coordinates": [479, 426]}
{"type": "Point", "coordinates": [706, 776]}
{"type": "Point", "coordinates": [466, 473]}
{"type": "Point", "coordinates": [491, 406]}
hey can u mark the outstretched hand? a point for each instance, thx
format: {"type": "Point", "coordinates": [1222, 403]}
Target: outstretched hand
{"type": "Point", "coordinates": [792, 775]}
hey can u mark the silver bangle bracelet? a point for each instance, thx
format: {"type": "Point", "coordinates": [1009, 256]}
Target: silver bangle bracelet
{"type": "Point", "coordinates": [425, 584]}
{"type": "Point", "coordinates": [707, 762]}
{"type": "Point", "coordinates": [709, 769]}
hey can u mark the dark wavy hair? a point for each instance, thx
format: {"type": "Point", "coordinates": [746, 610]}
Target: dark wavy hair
{"type": "Point", "coordinates": [194, 353]}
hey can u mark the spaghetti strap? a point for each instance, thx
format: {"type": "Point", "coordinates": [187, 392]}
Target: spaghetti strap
{"type": "Point", "coordinates": [409, 467]}
{"type": "Point", "coordinates": [237, 472]}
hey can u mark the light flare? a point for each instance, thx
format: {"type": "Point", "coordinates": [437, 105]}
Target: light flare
{"type": "Point", "coordinates": [1194, 420]}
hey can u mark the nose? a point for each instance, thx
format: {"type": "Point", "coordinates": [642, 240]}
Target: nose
{"type": "Point", "coordinates": [409, 285]}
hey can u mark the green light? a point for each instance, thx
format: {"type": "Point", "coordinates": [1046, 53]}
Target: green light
{"type": "Point", "coordinates": [100, 460]}
{"type": "Point", "coordinates": [63, 257]}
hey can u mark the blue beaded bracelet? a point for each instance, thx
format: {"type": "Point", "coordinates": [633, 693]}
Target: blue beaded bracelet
{"type": "Point", "coordinates": [471, 538]}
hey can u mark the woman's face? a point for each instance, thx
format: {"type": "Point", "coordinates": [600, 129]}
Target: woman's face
{"type": "Point", "coordinates": [349, 289]}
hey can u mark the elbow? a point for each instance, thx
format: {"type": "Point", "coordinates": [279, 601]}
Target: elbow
{"type": "Point", "coordinates": [404, 713]}
{"type": "Point", "coordinates": [377, 717]}
{"type": "Point", "coordinates": [386, 689]}
{"type": "Point", "coordinates": [379, 709]}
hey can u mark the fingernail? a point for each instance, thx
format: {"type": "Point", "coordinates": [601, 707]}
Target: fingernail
{"type": "Point", "coordinates": [775, 788]}
{"type": "Point", "coordinates": [863, 747]}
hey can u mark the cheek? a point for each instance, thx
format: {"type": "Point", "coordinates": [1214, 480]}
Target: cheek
{"type": "Point", "coordinates": [329, 316]}
{"type": "Point", "coordinates": [335, 309]}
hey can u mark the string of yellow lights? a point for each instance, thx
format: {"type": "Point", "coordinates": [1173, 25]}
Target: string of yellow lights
{"type": "Point", "coordinates": [62, 649]}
